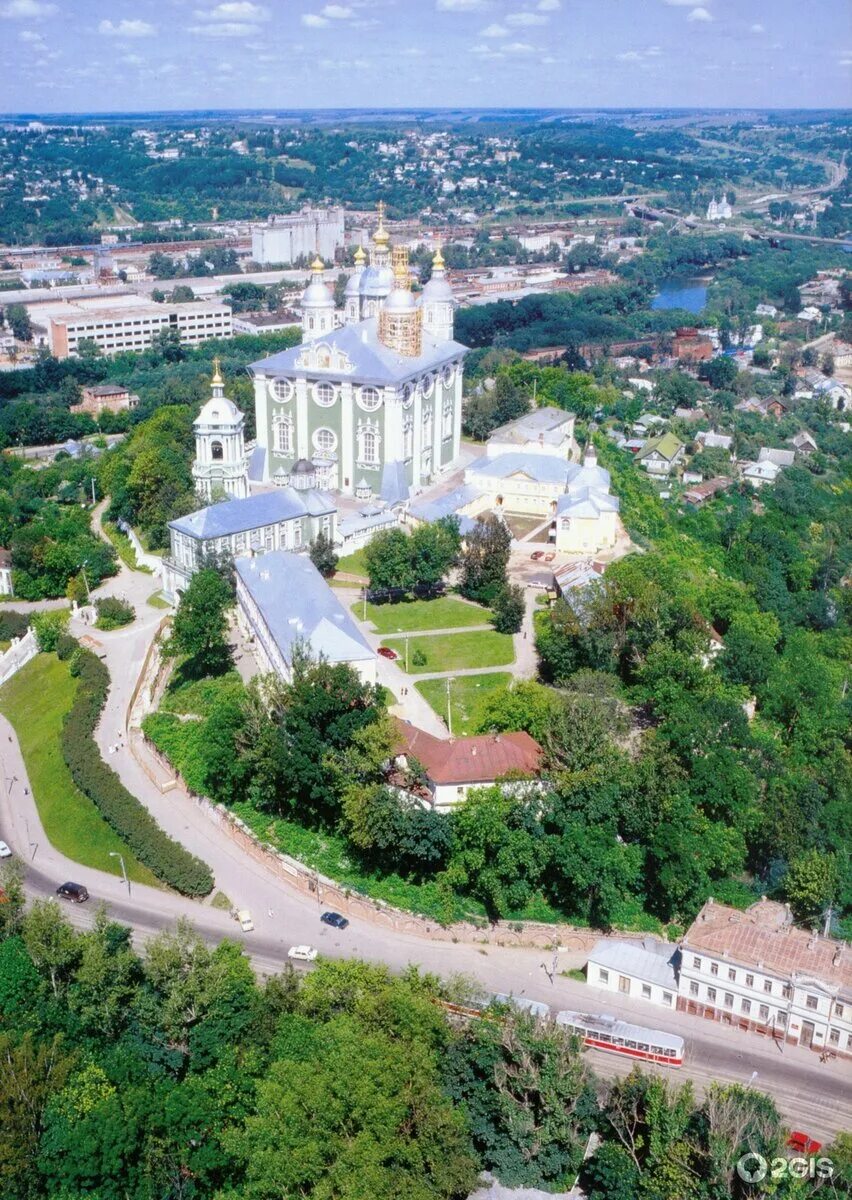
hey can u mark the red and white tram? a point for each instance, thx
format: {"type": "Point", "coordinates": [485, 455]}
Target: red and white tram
{"type": "Point", "coordinates": [618, 1037]}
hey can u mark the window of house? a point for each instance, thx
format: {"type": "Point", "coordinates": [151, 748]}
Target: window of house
{"type": "Point", "coordinates": [369, 398]}
{"type": "Point", "coordinates": [604, 975]}
{"type": "Point", "coordinates": [711, 994]}
{"type": "Point", "coordinates": [811, 1002]}
{"type": "Point", "coordinates": [838, 1008]}
{"type": "Point", "coordinates": [693, 989]}
{"type": "Point", "coordinates": [282, 436]}
{"type": "Point", "coordinates": [834, 1037]}
{"type": "Point", "coordinates": [297, 533]}
{"type": "Point", "coordinates": [729, 1000]}
{"type": "Point", "coordinates": [324, 394]}
{"type": "Point", "coordinates": [764, 1012]}
{"type": "Point", "coordinates": [408, 438]}
{"type": "Point", "coordinates": [282, 389]}
{"type": "Point", "coordinates": [426, 430]}
{"type": "Point", "coordinates": [732, 975]}
{"type": "Point", "coordinates": [448, 420]}
{"type": "Point", "coordinates": [216, 452]}
{"type": "Point", "coordinates": [696, 962]}
{"type": "Point", "coordinates": [746, 1006]}
{"type": "Point", "coordinates": [325, 441]}
{"type": "Point", "coordinates": [646, 991]}
{"type": "Point", "coordinates": [786, 991]}
{"type": "Point", "coordinates": [370, 446]}
{"type": "Point", "coordinates": [749, 981]}
{"type": "Point", "coordinates": [767, 985]}
{"type": "Point", "coordinates": [667, 997]}
{"type": "Point", "coordinates": [714, 968]}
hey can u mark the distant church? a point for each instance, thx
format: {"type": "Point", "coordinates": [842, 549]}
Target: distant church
{"type": "Point", "coordinates": [371, 400]}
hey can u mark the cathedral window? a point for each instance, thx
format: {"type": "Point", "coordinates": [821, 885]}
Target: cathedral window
{"type": "Point", "coordinates": [324, 394]}
{"type": "Point", "coordinates": [407, 396]}
{"type": "Point", "coordinates": [282, 389]}
{"type": "Point", "coordinates": [369, 445]}
{"type": "Point", "coordinates": [325, 441]}
{"type": "Point", "coordinates": [449, 413]}
{"type": "Point", "coordinates": [369, 398]}
{"type": "Point", "coordinates": [408, 438]}
{"type": "Point", "coordinates": [216, 451]}
{"type": "Point", "coordinates": [282, 435]}
{"type": "Point", "coordinates": [426, 430]}
{"type": "Point", "coordinates": [428, 385]}
{"type": "Point", "coordinates": [448, 375]}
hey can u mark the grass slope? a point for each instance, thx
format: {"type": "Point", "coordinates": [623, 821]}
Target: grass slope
{"type": "Point", "coordinates": [466, 693]}
{"type": "Point", "coordinates": [455, 651]}
{"type": "Point", "coordinates": [35, 701]}
{"type": "Point", "coordinates": [411, 616]}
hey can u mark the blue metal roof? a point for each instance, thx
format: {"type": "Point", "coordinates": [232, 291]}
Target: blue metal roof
{"type": "Point", "coordinates": [256, 464]}
{"type": "Point", "coordinates": [373, 362]}
{"type": "Point", "coordinates": [266, 508]}
{"type": "Point", "coordinates": [444, 506]}
{"type": "Point", "coordinates": [541, 468]}
{"type": "Point", "coordinates": [394, 487]}
{"type": "Point", "coordinates": [297, 605]}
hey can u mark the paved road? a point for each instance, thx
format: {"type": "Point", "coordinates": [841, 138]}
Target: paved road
{"type": "Point", "coordinates": [810, 1095]}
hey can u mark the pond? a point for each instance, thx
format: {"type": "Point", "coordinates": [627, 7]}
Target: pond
{"type": "Point", "coordinates": [679, 292]}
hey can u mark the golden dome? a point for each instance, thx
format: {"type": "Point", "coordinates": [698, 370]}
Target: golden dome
{"type": "Point", "coordinates": [217, 373]}
{"type": "Point", "coordinates": [360, 257]}
{"type": "Point", "coordinates": [381, 237]}
{"type": "Point", "coordinates": [318, 264]}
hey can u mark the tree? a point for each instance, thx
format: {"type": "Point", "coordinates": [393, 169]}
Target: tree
{"type": "Point", "coordinates": [509, 608]}
{"type": "Point", "coordinates": [323, 556]}
{"type": "Point", "coordinates": [810, 885]}
{"type": "Point", "coordinates": [720, 372]}
{"type": "Point", "coordinates": [524, 706]}
{"type": "Point", "coordinates": [750, 648]}
{"type": "Point", "coordinates": [434, 549]}
{"type": "Point", "coordinates": [166, 345]}
{"type": "Point", "coordinates": [18, 320]}
{"type": "Point", "coordinates": [31, 1073]}
{"type": "Point", "coordinates": [498, 854]}
{"type": "Point", "coordinates": [485, 558]}
{"type": "Point", "coordinates": [388, 559]}
{"type": "Point", "coordinates": [200, 624]}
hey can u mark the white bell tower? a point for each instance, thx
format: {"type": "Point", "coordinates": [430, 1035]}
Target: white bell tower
{"type": "Point", "coordinates": [220, 454]}
{"type": "Point", "coordinates": [317, 305]}
{"type": "Point", "coordinates": [437, 302]}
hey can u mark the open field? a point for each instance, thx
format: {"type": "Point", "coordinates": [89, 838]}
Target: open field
{"type": "Point", "coordinates": [412, 616]}
{"type": "Point", "coordinates": [354, 564]}
{"type": "Point", "coordinates": [466, 694]}
{"type": "Point", "coordinates": [35, 701]}
{"type": "Point", "coordinates": [454, 651]}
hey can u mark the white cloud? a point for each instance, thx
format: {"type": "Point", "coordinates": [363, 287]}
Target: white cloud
{"type": "Point", "coordinates": [758, 28]}
{"type": "Point", "coordinates": [338, 12]}
{"type": "Point", "coordinates": [629, 56]}
{"type": "Point", "coordinates": [519, 48]}
{"type": "Point", "coordinates": [699, 14]}
{"type": "Point", "coordinates": [679, 3]}
{"type": "Point", "coordinates": [225, 29]}
{"type": "Point", "coordinates": [312, 21]}
{"type": "Point", "coordinates": [25, 10]}
{"type": "Point", "coordinates": [460, 5]}
{"type": "Point", "coordinates": [525, 19]}
{"type": "Point", "coordinates": [413, 52]}
{"type": "Point", "coordinates": [126, 29]}
{"type": "Point", "coordinates": [495, 31]}
{"type": "Point", "coordinates": [549, 6]}
{"type": "Point", "coordinates": [132, 60]}
{"type": "Point", "coordinates": [653, 52]}
{"type": "Point", "coordinates": [239, 11]}
{"type": "Point", "coordinates": [29, 35]}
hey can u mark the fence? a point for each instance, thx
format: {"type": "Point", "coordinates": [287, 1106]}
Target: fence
{"type": "Point", "coordinates": [19, 653]}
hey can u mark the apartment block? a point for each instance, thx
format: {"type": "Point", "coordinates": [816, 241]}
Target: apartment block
{"type": "Point", "coordinates": [114, 329]}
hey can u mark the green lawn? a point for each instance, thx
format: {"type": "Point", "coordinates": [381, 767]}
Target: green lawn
{"type": "Point", "coordinates": [354, 564]}
{"type": "Point", "coordinates": [454, 651]}
{"type": "Point", "coordinates": [35, 701]}
{"type": "Point", "coordinates": [466, 694]}
{"type": "Point", "coordinates": [410, 616]}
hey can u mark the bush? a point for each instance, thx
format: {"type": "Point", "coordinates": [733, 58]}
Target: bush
{"type": "Point", "coordinates": [113, 613]}
{"type": "Point", "coordinates": [509, 609]}
{"type": "Point", "coordinates": [13, 625]}
{"type": "Point", "coordinates": [65, 646]}
{"type": "Point", "coordinates": [169, 861]}
{"type": "Point", "coordinates": [49, 627]}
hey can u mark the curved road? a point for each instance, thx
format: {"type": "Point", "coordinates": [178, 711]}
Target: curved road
{"type": "Point", "coordinates": [811, 1096]}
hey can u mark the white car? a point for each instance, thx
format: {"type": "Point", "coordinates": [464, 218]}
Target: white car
{"type": "Point", "coordinates": [5, 852]}
{"type": "Point", "coordinates": [245, 921]}
{"type": "Point", "coordinates": [302, 953]}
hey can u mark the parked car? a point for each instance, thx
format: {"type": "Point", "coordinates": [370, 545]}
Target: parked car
{"type": "Point", "coordinates": [75, 892]}
{"type": "Point", "coordinates": [244, 918]}
{"type": "Point", "coordinates": [335, 919]}
{"type": "Point", "coordinates": [802, 1144]}
{"type": "Point", "coordinates": [549, 557]}
{"type": "Point", "coordinates": [537, 555]}
{"type": "Point", "coordinates": [302, 953]}
{"type": "Point", "coordinates": [386, 652]}
{"type": "Point", "coordinates": [5, 852]}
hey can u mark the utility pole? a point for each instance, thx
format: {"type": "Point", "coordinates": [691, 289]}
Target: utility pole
{"type": "Point", "coordinates": [449, 708]}
{"type": "Point", "coordinates": [120, 857]}
{"type": "Point", "coordinates": [94, 500]}
{"type": "Point", "coordinates": [406, 653]}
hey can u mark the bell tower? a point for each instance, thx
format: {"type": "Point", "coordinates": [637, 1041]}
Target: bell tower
{"type": "Point", "coordinates": [220, 464]}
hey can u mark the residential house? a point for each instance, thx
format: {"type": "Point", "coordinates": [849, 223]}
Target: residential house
{"type": "Point", "coordinates": [759, 473]}
{"type": "Point", "coordinates": [289, 518]}
{"type": "Point", "coordinates": [452, 766]}
{"type": "Point", "coordinates": [647, 970]}
{"type": "Point", "coordinates": [105, 397]}
{"type": "Point", "coordinates": [690, 414]}
{"type": "Point", "coordinates": [714, 441]}
{"type": "Point", "coordinates": [577, 576]}
{"type": "Point", "coordinates": [662, 455]}
{"type": "Point", "coordinates": [758, 971]}
{"type": "Point", "coordinates": [706, 491]}
{"type": "Point", "coordinates": [283, 604]}
{"type": "Point", "coordinates": [769, 406]}
{"type": "Point", "coordinates": [781, 458]}
{"type": "Point", "coordinates": [546, 430]}
{"type": "Point", "coordinates": [689, 345]}
{"type": "Point", "coordinates": [766, 310]}
{"type": "Point", "coordinates": [804, 444]}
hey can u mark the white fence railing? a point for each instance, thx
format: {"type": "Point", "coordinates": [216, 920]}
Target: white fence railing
{"type": "Point", "coordinates": [19, 653]}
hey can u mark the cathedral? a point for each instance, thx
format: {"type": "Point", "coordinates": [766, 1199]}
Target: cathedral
{"type": "Point", "coordinates": [371, 400]}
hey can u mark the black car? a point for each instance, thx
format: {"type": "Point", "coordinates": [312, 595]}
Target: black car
{"type": "Point", "coordinates": [73, 891]}
{"type": "Point", "coordinates": [335, 919]}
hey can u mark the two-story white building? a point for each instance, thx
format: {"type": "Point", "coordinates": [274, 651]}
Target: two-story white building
{"type": "Point", "coordinates": [757, 970]}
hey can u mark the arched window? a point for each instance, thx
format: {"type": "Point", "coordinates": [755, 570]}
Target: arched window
{"type": "Point", "coordinates": [370, 446]}
{"type": "Point", "coordinates": [408, 438]}
{"type": "Point", "coordinates": [449, 413]}
{"type": "Point", "coordinates": [282, 435]}
{"type": "Point", "coordinates": [216, 451]}
{"type": "Point", "coordinates": [426, 429]}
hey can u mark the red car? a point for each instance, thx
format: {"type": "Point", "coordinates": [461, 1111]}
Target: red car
{"type": "Point", "coordinates": [802, 1144]}
{"type": "Point", "coordinates": [386, 652]}
{"type": "Point", "coordinates": [537, 555]}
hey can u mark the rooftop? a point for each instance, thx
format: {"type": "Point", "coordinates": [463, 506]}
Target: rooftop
{"type": "Point", "coordinates": [538, 468]}
{"type": "Point", "coordinates": [764, 936]}
{"type": "Point", "coordinates": [479, 759]}
{"type": "Point", "coordinates": [542, 424]}
{"type": "Point", "coordinates": [666, 446]}
{"type": "Point", "coordinates": [265, 508]}
{"type": "Point", "coordinates": [649, 960]}
{"type": "Point", "coordinates": [297, 605]}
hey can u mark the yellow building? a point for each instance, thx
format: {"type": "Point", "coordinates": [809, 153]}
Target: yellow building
{"type": "Point", "coordinates": [586, 516]}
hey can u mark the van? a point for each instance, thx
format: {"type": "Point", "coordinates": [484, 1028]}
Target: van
{"type": "Point", "coordinates": [302, 953]}
{"type": "Point", "coordinates": [244, 918]}
{"type": "Point", "coordinates": [73, 891]}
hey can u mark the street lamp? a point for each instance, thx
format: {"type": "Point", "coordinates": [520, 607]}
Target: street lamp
{"type": "Point", "coordinates": [120, 857]}
{"type": "Point", "coordinates": [449, 707]}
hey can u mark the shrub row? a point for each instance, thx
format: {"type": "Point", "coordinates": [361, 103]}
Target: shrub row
{"type": "Point", "coordinates": [168, 860]}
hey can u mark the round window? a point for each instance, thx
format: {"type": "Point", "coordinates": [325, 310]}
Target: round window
{"type": "Point", "coordinates": [325, 441]}
{"type": "Point", "coordinates": [407, 396]}
{"type": "Point", "coordinates": [428, 385]}
{"type": "Point", "coordinates": [369, 398]}
{"type": "Point", "coordinates": [449, 375]}
{"type": "Point", "coordinates": [282, 390]}
{"type": "Point", "coordinates": [324, 394]}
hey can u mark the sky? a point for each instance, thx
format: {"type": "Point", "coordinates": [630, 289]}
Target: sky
{"type": "Point", "coordinates": [132, 55]}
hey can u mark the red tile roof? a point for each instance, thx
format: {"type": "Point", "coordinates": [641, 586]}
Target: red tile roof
{"type": "Point", "coordinates": [479, 759]}
{"type": "Point", "coordinates": [764, 936]}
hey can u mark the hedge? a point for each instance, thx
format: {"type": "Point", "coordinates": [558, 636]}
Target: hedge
{"type": "Point", "coordinates": [168, 860]}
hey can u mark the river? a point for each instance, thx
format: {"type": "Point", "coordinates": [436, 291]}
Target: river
{"type": "Point", "coordinates": [681, 292]}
